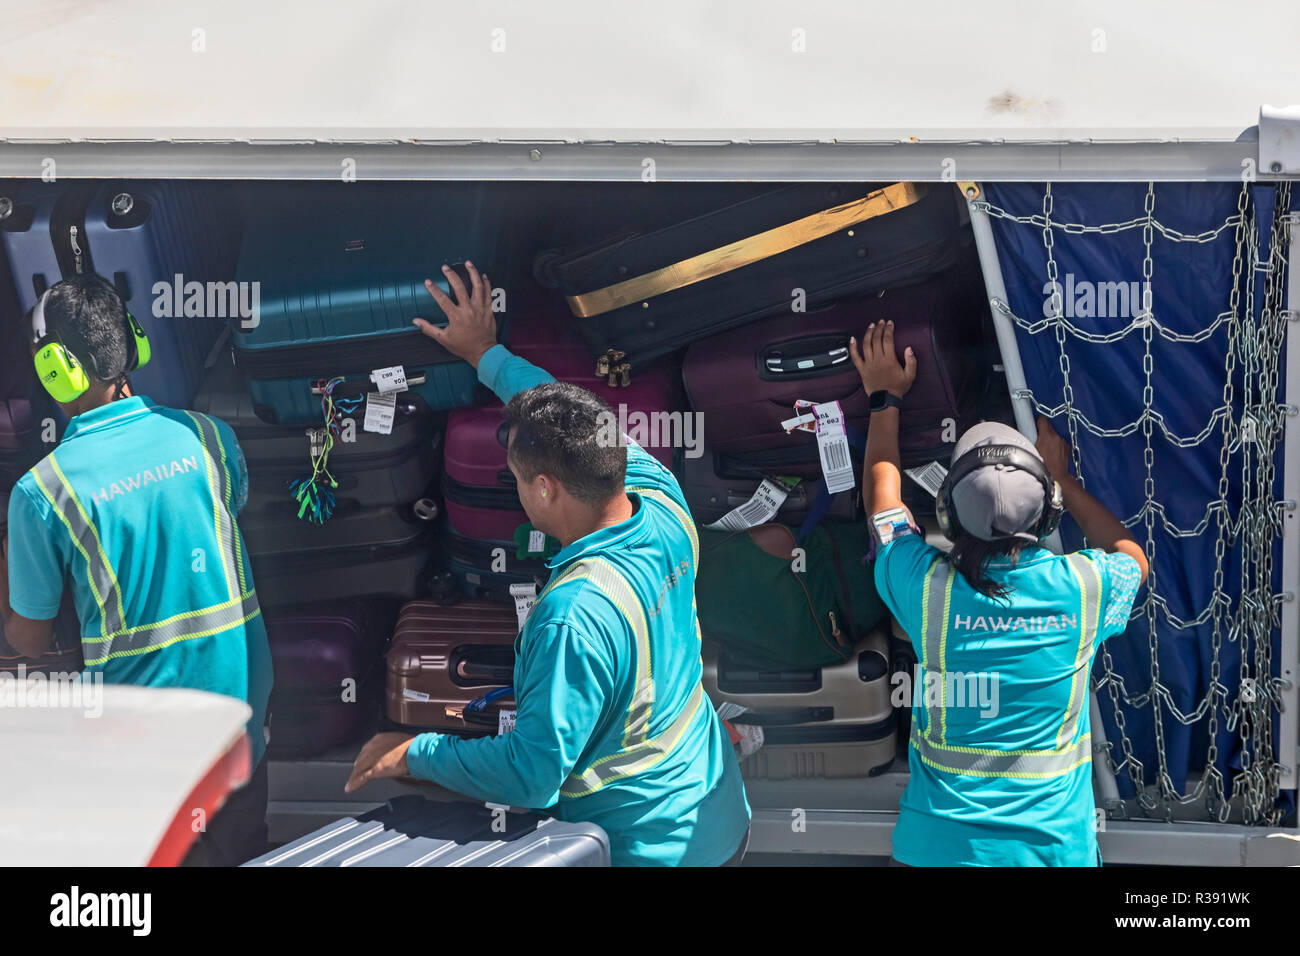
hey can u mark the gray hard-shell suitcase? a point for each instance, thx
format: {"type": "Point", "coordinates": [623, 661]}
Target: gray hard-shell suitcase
{"type": "Point", "coordinates": [413, 831]}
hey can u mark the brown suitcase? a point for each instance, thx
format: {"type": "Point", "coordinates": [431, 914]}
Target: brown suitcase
{"type": "Point", "coordinates": [444, 657]}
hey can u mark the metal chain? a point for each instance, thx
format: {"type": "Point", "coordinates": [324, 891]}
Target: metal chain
{"type": "Point", "coordinates": [1253, 356]}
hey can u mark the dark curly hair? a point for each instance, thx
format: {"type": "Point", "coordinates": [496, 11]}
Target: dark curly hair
{"type": "Point", "coordinates": [90, 318]}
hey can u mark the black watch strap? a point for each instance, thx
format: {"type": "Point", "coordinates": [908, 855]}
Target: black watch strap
{"type": "Point", "coordinates": [881, 399]}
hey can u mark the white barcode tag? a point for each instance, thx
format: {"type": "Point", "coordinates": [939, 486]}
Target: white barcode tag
{"type": "Point", "coordinates": [390, 379]}
{"type": "Point", "coordinates": [728, 709]}
{"type": "Point", "coordinates": [929, 476]}
{"type": "Point", "coordinates": [536, 542]}
{"type": "Point", "coordinates": [381, 409]}
{"type": "Point", "coordinates": [806, 423]}
{"type": "Point", "coordinates": [505, 720]}
{"type": "Point", "coordinates": [759, 509]}
{"type": "Point", "coordinates": [837, 466]}
{"type": "Point", "coordinates": [408, 694]}
{"type": "Point", "coordinates": [525, 596]}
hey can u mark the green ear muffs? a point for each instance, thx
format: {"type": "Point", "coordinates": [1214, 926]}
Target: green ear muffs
{"type": "Point", "coordinates": [58, 369]}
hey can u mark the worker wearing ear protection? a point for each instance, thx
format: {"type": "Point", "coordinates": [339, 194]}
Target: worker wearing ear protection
{"type": "Point", "coordinates": [136, 508]}
{"type": "Point", "coordinates": [1005, 632]}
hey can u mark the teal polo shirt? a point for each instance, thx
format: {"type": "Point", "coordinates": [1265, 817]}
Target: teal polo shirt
{"type": "Point", "coordinates": [136, 507]}
{"type": "Point", "coordinates": [612, 726]}
{"type": "Point", "coordinates": [1000, 759]}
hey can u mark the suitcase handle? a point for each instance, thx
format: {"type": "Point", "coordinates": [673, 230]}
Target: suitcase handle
{"type": "Point", "coordinates": [787, 717]}
{"type": "Point", "coordinates": [476, 672]}
{"type": "Point", "coordinates": [780, 364]}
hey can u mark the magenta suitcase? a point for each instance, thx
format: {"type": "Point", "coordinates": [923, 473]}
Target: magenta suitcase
{"type": "Point", "coordinates": [478, 487]}
{"type": "Point", "coordinates": [745, 381]}
{"type": "Point", "coordinates": [328, 663]}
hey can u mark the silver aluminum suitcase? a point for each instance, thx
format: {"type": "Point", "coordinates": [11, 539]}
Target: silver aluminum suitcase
{"type": "Point", "coordinates": [413, 831]}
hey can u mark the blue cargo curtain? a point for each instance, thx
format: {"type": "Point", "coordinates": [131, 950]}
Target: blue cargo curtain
{"type": "Point", "coordinates": [1099, 284]}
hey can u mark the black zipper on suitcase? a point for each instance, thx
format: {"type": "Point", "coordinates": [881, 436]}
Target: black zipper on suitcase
{"type": "Point", "coordinates": [473, 496]}
{"type": "Point", "coordinates": [68, 230]}
{"type": "Point", "coordinates": [411, 350]}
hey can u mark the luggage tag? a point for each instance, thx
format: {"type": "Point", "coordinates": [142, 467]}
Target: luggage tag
{"type": "Point", "coordinates": [381, 409]}
{"type": "Point", "coordinates": [833, 446]}
{"type": "Point", "coordinates": [505, 721]}
{"type": "Point", "coordinates": [525, 596]}
{"type": "Point", "coordinates": [759, 509]}
{"type": "Point", "coordinates": [929, 476]}
{"type": "Point", "coordinates": [531, 543]}
{"type": "Point", "coordinates": [390, 379]}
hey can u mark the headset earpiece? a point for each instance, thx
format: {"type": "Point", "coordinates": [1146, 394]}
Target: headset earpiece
{"type": "Point", "coordinates": [60, 373]}
{"type": "Point", "coordinates": [137, 343]}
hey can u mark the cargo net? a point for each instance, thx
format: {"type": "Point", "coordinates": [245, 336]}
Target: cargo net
{"type": "Point", "coordinates": [1255, 335]}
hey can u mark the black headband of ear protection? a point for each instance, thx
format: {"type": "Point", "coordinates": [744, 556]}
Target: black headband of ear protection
{"type": "Point", "coordinates": [1011, 456]}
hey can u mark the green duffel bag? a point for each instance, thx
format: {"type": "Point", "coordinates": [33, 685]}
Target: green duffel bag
{"type": "Point", "coordinates": [755, 599]}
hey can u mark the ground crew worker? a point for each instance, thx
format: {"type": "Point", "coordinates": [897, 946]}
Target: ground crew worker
{"type": "Point", "coordinates": [612, 725]}
{"type": "Point", "coordinates": [1011, 784]}
{"type": "Point", "coordinates": [136, 507]}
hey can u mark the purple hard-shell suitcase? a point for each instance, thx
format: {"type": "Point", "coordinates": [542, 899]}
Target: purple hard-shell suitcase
{"type": "Point", "coordinates": [478, 486]}
{"type": "Point", "coordinates": [328, 674]}
{"type": "Point", "coordinates": [745, 382]}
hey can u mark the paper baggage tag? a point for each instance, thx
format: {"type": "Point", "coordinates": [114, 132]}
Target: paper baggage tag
{"type": "Point", "coordinates": [728, 709]}
{"type": "Point", "coordinates": [381, 409]}
{"type": "Point", "coordinates": [759, 509]}
{"type": "Point", "coordinates": [525, 596]}
{"type": "Point", "coordinates": [536, 542]}
{"type": "Point", "coordinates": [390, 379]}
{"type": "Point", "coordinates": [929, 477]}
{"type": "Point", "coordinates": [408, 694]}
{"type": "Point", "coordinates": [833, 447]}
{"type": "Point", "coordinates": [806, 422]}
{"type": "Point", "coordinates": [505, 721]}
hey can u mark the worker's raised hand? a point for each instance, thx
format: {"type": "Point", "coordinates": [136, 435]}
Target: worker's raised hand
{"type": "Point", "coordinates": [1054, 449]}
{"type": "Point", "coordinates": [471, 329]}
{"type": "Point", "coordinates": [384, 755]}
{"type": "Point", "coordinates": [878, 364]}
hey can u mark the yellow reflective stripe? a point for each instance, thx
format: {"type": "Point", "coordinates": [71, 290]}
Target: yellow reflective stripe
{"type": "Point", "coordinates": [1029, 764]}
{"type": "Point", "coordinates": [630, 761]}
{"type": "Point", "coordinates": [184, 627]}
{"type": "Point", "coordinates": [943, 659]}
{"type": "Point", "coordinates": [99, 572]}
{"type": "Point", "coordinates": [1090, 613]}
{"type": "Point", "coordinates": [683, 518]}
{"type": "Point", "coordinates": [221, 523]}
{"type": "Point", "coordinates": [935, 590]}
{"type": "Point", "coordinates": [228, 497]}
{"type": "Point", "coordinates": [615, 587]}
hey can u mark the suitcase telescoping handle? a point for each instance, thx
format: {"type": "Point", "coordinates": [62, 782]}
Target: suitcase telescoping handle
{"type": "Point", "coordinates": [417, 379]}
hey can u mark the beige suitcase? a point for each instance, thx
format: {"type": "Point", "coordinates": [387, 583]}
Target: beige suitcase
{"type": "Point", "coordinates": [834, 721]}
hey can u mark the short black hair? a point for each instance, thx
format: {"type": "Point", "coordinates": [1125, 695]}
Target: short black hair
{"type": "Point", "coordinates": [90, 318]}
{"type": "Point", "coordinates": [563, 430]}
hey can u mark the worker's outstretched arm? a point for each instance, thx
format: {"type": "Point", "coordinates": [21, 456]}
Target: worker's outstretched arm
{"type": "Point", "coordinates": [1095, 520]}
{"type": "Point", "coordinates": [878, 365]}
{"type": "Point", "coordinates": [31, 574]}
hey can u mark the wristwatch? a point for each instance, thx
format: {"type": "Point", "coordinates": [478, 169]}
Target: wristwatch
{"type": "Point", "coordinates": [882, 398]}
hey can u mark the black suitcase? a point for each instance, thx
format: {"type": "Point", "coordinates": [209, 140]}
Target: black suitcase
{"type": "Point", "coordinates": [362, 552]}
{"type": "Point", "coordinates": [412, 831]}
{"type": "Point", "coordinates": [648, 293]}
{"type": "Point", "coordinates": [372, 471]}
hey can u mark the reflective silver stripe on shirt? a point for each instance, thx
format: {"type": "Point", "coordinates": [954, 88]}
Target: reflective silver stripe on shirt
{"type": "Point", "coordinates": [936, 594]}
{"type": "Point", "coordinates": [683, 518]}
{"type": "Point", "coordinates": [1090, 616]}
{"type": "Point", "coordinates": [1002, 763]}
{"type": "Point", "coordinates": [103, 582]}
{"type": "Point", "coordinates": [615, 587]}
{"type": "Point", "coordinates": [183, 627]}
{"type": "Point", "coordinates": [219, 486]}
{"type": "Point", "coordinates": [633, 760]}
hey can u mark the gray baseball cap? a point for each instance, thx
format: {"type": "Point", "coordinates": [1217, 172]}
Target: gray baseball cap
{"type": "Point", "coordinates": [996, 496]}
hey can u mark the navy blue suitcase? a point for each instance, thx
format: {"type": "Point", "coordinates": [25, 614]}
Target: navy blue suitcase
{"type": "Point", "coordinates": [170, 249]}
{"type": "Point", "coordinates": [648, 292]}
{"type": "Point", "coordinates": [341, 281]}
{"type": "Point", "coordinates": [153, 241]}
{"type": "Point", "coordinates": [411, 830]}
